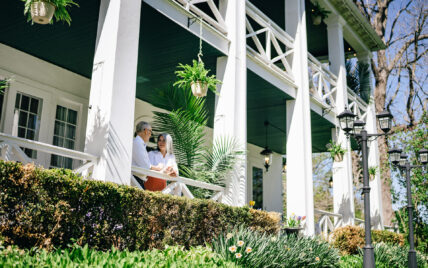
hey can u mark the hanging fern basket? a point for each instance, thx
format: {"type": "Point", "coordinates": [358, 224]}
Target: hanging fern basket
{"type": "Point", "coordinates": [338, 158]}
{"type": "Point", "coordinates": [199, 89]}
{"type": "Point", "coordinates": [316, 20]}
{"type": "Point", "coordinates": [42, 12]}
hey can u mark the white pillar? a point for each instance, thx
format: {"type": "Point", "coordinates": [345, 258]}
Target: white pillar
{"type": "Point", "coordinates": [112, 98]}
{"type": "Point", "coordinates": [231, 104]}
{"type": "Point", "coordinates": [374, 161]}
{"type": "Point", "coordinates": [343, 193]}
{"type": "Point", "coordinates": [300, 198]}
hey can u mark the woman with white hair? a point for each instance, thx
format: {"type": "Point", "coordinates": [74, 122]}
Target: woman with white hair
{"type": "Point", "coordinates": [164, 155]}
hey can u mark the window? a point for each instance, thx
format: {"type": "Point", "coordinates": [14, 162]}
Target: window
{"type": "Point", "coordinates": [258, 187]}
{"type": "Point", "coordinates": [29, 111]}
{"type": "Point", "coordinates": [3, 86]}
{"type": "Point", "coordinates": [64, 135]}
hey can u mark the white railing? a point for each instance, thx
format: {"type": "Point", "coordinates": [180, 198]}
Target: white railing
{"type": "Point", "coordinates": [177, 185]}
{"type": "Point", "coordinates": [194, 6]}
{"type": "Point", "coordinates": [258, 24]}
{"type": "Point", "coordinates": [357, 105]}
{"type": "Point", "coordinates": [10, 147]}
{"type": "Point", "coordinates": [359, 222]}
{"type": "Point", "coordinates": [328, 222]}
{"type": "Point", "coordinates": [322, 82]}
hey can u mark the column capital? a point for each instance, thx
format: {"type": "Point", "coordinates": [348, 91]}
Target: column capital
{"type": "Point", "coordinates": [334, 20]}
{"type": "Point", "coordinates": [364, 56]}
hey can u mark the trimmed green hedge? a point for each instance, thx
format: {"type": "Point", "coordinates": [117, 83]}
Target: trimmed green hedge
{"type": "Point", "coordinates": [52, 208]}
{"type": "Point", "coordinates": [349, 239]}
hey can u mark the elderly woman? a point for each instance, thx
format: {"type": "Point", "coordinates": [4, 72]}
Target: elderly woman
{"type": "Point", "coordinates": [163, 156]}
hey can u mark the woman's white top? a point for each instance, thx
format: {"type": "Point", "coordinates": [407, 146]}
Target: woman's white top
{"type": "Point", "coordinates": [156, 157]}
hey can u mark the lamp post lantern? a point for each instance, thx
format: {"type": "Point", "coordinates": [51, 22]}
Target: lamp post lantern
{"type": "Point", "coordinates": [267, 153]}
{"type": "Point", "coordinates": [403, 164]}
{"type": "Point", "coordinates": [356, 129]}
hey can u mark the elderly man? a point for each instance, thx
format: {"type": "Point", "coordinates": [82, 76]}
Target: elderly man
{"type": "Point", "coordinates": [140, 157]}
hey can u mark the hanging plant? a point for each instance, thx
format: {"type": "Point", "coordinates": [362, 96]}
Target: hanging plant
{"type": "Point", "coordinates": [196, 77]}
{"type": "Point", "coordinates": [336, 151]}
{"type": "Point", "coordinates": [42, 11]}
{"type": "Point", "coordinates": [318, 14]}
{"type": "Point", "coordinates": [372, 172]}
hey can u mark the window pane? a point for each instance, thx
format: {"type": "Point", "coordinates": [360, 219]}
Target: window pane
{"type": "Point", "coordinates": [68, 163]}
{"type": "Point", "coordinates": [69, 144]}
{"type": "Point", "coordinates": [258, 187]}
{"type": "Point", "coordinates": [71, 132]}
{"type": "Point", "coordinates": [61, 113]}
{"type": "Point", "coordinates": [59, 128]}
{"type": "Point", "coordinates": [22, 119]}
{"type": "Point", "coordinates": [72, 117]}
{"type": "Point", "coordinates": [34, 107]}
{"type": "Point", "coordinates": [25, 103]}
{"type": "Point", "coordinates": [54, 161]}
{"type": "Point", "coordinates": [21, 132]}
{"type": "Point", "coordinates": [32, 120]}
{"type": "Point", "coordinates": [58, 141]}
{"type": "Point", "coordinates": [30, 134]}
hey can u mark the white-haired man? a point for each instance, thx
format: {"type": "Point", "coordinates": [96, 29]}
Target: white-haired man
{"type": "Point", "coordinates": [140, 157]}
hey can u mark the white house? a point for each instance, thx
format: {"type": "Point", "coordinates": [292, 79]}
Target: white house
{"type": "Point", "coordinates": [83, 87]}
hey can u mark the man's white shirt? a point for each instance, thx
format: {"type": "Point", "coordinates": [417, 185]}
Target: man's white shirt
{"type": "Point", "coordinates": [140, 157]}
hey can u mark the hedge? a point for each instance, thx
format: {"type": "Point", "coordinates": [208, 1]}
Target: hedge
{"type": "Point", "coordinates": [53, 208]}
{"type": "Point", "coordinates": [349, 239]}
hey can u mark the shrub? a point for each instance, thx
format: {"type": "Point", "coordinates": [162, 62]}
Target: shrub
{"type": "Point", "coordinates": [84, 257]}
{"type": "Point", "coordinates": [385, 256]}
{"type": "Point", "coordinates": [253, 249]}
{"type": "Point", "coordinates": [349, 239]}
{"type": "Point", "coordinates": [50, 208]}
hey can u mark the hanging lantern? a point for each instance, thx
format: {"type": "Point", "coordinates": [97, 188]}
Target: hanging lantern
{"type": "Point", "coordinates": [403, 159]}
{"type": "Point", "coordinates": [394, 155]}
{"type": "Point", "coordinates": [346, 120]}
{"type": "Point", "coordinates": [267, 153]}
{"type": "Point", "coordinates": [423, 156]}
{"type": "Point", "coordinates": [385, 121]}
{"type": "Point", "coordinates": [358, 126]}
{"type": "Point", "coordinates": [330, 183]}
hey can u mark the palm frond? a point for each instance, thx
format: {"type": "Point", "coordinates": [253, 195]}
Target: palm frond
{"type": "Point", "coordinates": [364, 80]}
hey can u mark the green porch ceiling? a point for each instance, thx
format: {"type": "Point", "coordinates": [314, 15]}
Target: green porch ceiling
{"type": "Point", "coordinates": [161, 48]}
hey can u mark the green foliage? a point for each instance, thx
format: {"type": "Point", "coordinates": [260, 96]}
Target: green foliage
{"type": "Point", "coordinates": [187, 123]}
{"type": "Point", "coordinates": [294, 221]}
{"type": "Point", "coordinates": [194, 73]}
{"type": "Point", "coordinates": [373, 170]}
{"type": "Point", "coordinates": [274, 251]}
{"type": "Point", "coordinates": [77, 256]}
{"type": "Point", "coordinates": [385, 256]}
{"type": "Point", "coordinates": [61, 6]}
{"type": "Point", "coordinates": [412, 140]}
{"type": "Point", "coordinates": [349, 239]}
{"type": "Point", "coordinates": [52, 208]}
{"type": "Point", "coordinates": [335, 148]}
{"type": "Point", "coordinates": [317, 10]}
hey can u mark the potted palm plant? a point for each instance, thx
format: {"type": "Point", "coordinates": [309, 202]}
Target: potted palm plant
{"type": "Point", "coordinates": [336, 151]}
{"type": "Point", "coordinates": [318, 14]}
{"type": "Point", "coordinates": [196, 77]}
{"type": "Point", "coordinates": [372, 172]}
{"type": "Point", "coordinates": [42, 11]}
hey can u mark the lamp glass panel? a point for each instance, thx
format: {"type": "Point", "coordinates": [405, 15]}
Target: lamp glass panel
{"type": "Point", "coordinates": [384, 123]}
{"type": "Point", "coordinates": [403, 161]}
{"type": "Point", "coordinates": [395, 157]}
{"type": "Point", "coordinates": [423, 157]}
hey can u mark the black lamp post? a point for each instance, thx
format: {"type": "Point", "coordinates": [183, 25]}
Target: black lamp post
{"type": "Point", "coordinates": [356, 129]}
{"type": "Point", "coordinates": [400, 159]}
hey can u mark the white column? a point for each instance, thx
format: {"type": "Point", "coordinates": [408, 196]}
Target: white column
{"type": "Point", "coordinates": [374, 161]}
{"type": "Point", "coordinates": [112, 98]}
{"type": "Point", "coordinates": [300, 198]}
{"type": "Point", "coordinates": [231, 103]}
{"type": "Point", "coordinates": [343, 194]}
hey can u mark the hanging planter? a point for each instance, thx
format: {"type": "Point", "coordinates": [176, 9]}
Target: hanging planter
{"type": "Point", "coordinates": [199, 89]}
{"type": "Point", "coordinates": [318, 14]}
{"type": "Point", "coordinates": [336, 151]}
{"type": "Point", "coordinates": [372, 172]}
{"type": "Point", "coordinates": [196, 76]}
{"type": "Point", "coordinates": [42, 11]}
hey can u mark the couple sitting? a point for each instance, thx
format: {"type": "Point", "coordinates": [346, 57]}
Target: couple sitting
{"type": "Point", "coordinates": [162, 159]}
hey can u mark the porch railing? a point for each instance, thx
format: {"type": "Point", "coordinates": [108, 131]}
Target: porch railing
{"type": "Point", "coordinates": [195, 6]}
{"type": "Point", "coordinates": [10, 147]}
{"type": "Point", "coordinates": [265, 35]}
{"type": "Point", "coordinates": [177, 185]}
{"type": "Point", "coordinates": [322, 82]}
{"type": "Point", "coordinates": [328, 222]}
{"type": "Point", "coordinates": [357, 105]}
{"type": "Point", "coordinates": [359, 222]}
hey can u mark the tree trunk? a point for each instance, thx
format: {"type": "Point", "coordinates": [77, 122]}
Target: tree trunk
{"type": "Point", "coordinates": [380, 95]}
